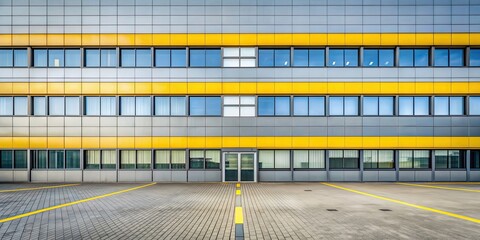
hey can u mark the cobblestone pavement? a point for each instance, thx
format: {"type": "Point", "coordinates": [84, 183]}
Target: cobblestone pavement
{"type": "Point", "coordinates": [270, 211]}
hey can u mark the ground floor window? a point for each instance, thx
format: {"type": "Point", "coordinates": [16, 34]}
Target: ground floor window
{"type": "Point", "coordinates": [104, 159]}
{"type": "Point", "coordinates": [378, 159]}
{"type": "Point", "coordinates": [274, 159]}
{"type": "Point", "coordinates": [170, 159]}
{"type": "Point", "coordinates": [308, 159]}
{"type": "Point", "coordinates": [204, 159]}
{"type": "Point", "coordinates": [449, 159]}
{"type": "Point", "coordinates": [13, 159]}
{"type": "Point", "coordinates": [135, 159]}
{"type": "Point", "coordinates": [414, 158]}
{"type": "Point", "coordinates": [344, 159]}
{"type": "Point", "coordinates": [55, 159]}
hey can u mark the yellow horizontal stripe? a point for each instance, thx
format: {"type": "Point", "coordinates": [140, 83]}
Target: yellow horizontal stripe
{"type": "Point", "coordinates": [37, 188]}
{"type": "Point", "coordinates": [71, 203]}
{"type": "Point", "coordinates": [238, 215]}
{"type": "Point", "coordinates": [238, 192]}
{"type": "Point", "coordinates": [255, 88]}
{"type": "Point", "coordinates": [437, 187]}
{"type": "Point", "coordinates": [450, 214]}
{"type": "Point", "coordinates": [241, 39]}
{"type": "Point", "coordinates": [242, 142]}
{"type": "Point", "coordinates": [454, 183]}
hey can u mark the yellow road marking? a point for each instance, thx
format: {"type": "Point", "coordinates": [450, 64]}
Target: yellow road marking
{"type": "Point", "coordinates": [453, 183]}
{"type": "Point", "coordinates": [446, 188]}
{"type": "Point", "coordinates": [238, 192]}
{"type": "Point", "coordinates": [238, 184]}
{"type": "Point", "coordinates": [238, 215]}
{"type": "Point", "coordinates": [471, 219]}
{"type": "Point", "coordinates": [71, 203]}
{"type": "Point", "coordinates": [38, 188]}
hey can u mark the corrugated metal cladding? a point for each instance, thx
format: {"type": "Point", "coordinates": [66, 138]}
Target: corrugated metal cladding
{"type": "Point", "coordinates": [239, 90]}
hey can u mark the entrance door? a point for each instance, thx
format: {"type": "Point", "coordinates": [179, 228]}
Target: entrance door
{"type": "Point", "coordinates": [239, 167]}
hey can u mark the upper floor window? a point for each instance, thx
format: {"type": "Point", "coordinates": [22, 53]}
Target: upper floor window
{"type": "Point", "coordinates": [239, 57]}
{"type": "Point", "coordinates": [139, 106]}
{"type": "Point", "coordinates": [414, 106]}
{"type": "Point", "coordinates": [239, 106]}
{"type": "Point", "coordinates": [304, 159]}
{"type": "Point", "coordinates": [378, 57]}
{"type": "Point", "coordinates": [449, 159]}
{"type": "Point", "coordinates": [343, 58]}
{"type": "Point", "coordinates": [274, 159]}
{"type": "Point", "coordinates": [56, 57]}
{"type": "Point", "coordinates": [100, 57]}
{"type": "Point", "coordinates": [414, 58]}
{"type": "Point", "coordinates": [136, 57]}
{"type": "Point", "coordinates": [273, 106]}
{"type": "Point", "coordinates": [105, 106]}
{"type": "Point", "coordinates": [170, 106]}
{"type": "Point", "coordinates": [448, 57]}
{"type": "Point", "coordinates": [344, 159]}
{"type": "Point", "coordinates": [474, 104]}
{"type": "Point", "coordinates": [308, 57]}
{"type": "Point", "coordinates": [59, 106]}
{"type": "Point", "coordinates": [13, 106]}
{"type": "Point", "coordinates": [274, 57]}
{"type": "Point", "coordinates": [448, 106]}
{"type": "Point", "coordinates": [205, 58]}
{"type": "Point", "coordinates": [308, 106]}
{"type": "Point", "coordinates": [378, 159]}
{"type": "Point", "coordinates": [347, 106]}
{"type": "Point", "coordinates": [205, 106]}
{"type": "Point", "coordinates": [378, 106]}
{"type": "Point", "coordinates": [170, 57]}
{"type": "Point", "coordinates": [414, 158]}
{"type": "Point", "coordinates": [474, 58]}
{"type": "Point", "coordinates": [13, 58]}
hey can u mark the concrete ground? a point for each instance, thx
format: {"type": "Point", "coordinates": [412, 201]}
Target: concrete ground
{"type": "Point", "coordinates": [267, 211]}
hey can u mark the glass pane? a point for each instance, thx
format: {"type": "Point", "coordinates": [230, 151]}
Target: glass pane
{"type": "Point", "coordinates": [92, 105]}
{"type": "Point", "coordinates": [6, 57]}
{"type": "Point", "coordinates": [20, 58]}
{"type": "Point", "coordinates": [40, 57]}
{"type": "Point", "coordinates": [178, 106]}
{"type": "Point", "coordinates": [441, 57]}
{"type": "Point", "coordinates": [56, 58]}
{"type": "Point", "coordinates": [405, 159]}
{"type": "Point", "coordinates": [335, 159]}
{"type": "Point", "coordinates": [20, 106]}
{"type": "Point", "coordinates": [265, 57]}
{"type": "Point", "coordinates": [300, 106]}
{"type": "Point", "coordinates": [231, 167]}
{"type": "Point", "coordinates": [282, 159]}
{"type": "Point", "coordinates": [421, 159]}
{"type": "Point", "coordinates": [247, 52]}
{"type": "Point", "coordinates": [144, 159]}
{"type": "Point", "coordinates": [213, 106]}
{"type": "Point", "coordinates": [456, 159]}
{"type": "Point", "coordinates": [441, 159]}
{"type": "Point", "coordinates": [247, 111]}
{"type": "Point", "coordinates": [143, 106]}
{"type": "Point", "coordinates": [316, 106]}
{"type": "Point", "coordinates": [282, 106]}
{"type": "Point", "coordinates": [336, 105]}
{"type": "Point", "coordinates": [370, 106]}
{"type": "Point", "coordinates": [474, 106]}
{"type": "Point", "coordinates": [40, 158]}
{"type": "Point", "coordinates": [127, 159]}
{"type": "Point", "coordinates": [197, 57]}
{"type": "Point", "coordinates": [162, 106]}
{"type": "Point", "coordinates": [72, 106]}
{"type": "Point", "coordinates": [370, 58]}
{"type": "Point", "coordinates": [108, 106]}
{"type": "Point", "coordinates": [300, 159]}
{"type": "Point", "coordinates": [178, 57]}
{"type": "Point", "coordinates": [231, 62]}
{"type": "Point", "coordinates": [405, 105]}
{"type": "Point", "coordinates": [162, 57]}
{"type": "Point", "coordinates": [109, 57]}
{"type": "Point", "coordinates": [247, 100]}
{"type": "Point", "coordinates": [422, 106]}
{"type": "Point", "coordinates": [213, 58]}
{"type": "Point", "coordinates": [421, 57]}
{"type": "Point", "coordinates": [231, 52]}
{"type": "Point", "coordinates": [266, 106]}
{"type": "Point", "coordinates": [300, 57]}
{"type": "Point", "coordinates": [441, 105]}
{"type": "Point", "coordinates": [128, 57]}
{"type": "Point", "coordinates": [386, 159]}
{"type": "Point", "coordinates": [197, 159]}
{"type": "Point", "coordinates": [316, 159]}
{"type": "Point", "coordinates": [197, 106]}
{"type": "Point", "coordinates": [72, 159]}
{"type": "Point", "coordinates": [456, 58]}
{"type": "Point", "coordinates": [474, 159]}
{"type": "Point", "coordinates": [162, 159]}
{"type": "Point", "coordinates": [56, 106]}
{"type": "Point", "coordinates": [92, 58]}
{"type": "Point", "coordinates": [55, 159]}
{"type": "Point", "coordinates": [335, 58]}
{"type": "Point", "coordinates": [231, 100]}
{"type": "Point", "coordinates": [144, 58]}
{"type": "Point", "coordinates": [92, 159]}
{"type": "Point", "coordinates": [247, 62]}
{"type": "Point", "coordinates": [178, 159]}
{"type": "Point", "coordinates": [212, 159]}
{"type": "Point", "coordinates": [351, 57]}
{"type": "Point", "coordinates": [351, 106]}
{"type": "Point", "coordinates": [72, 58]}
{"type": "Point", "coordinates": [385, 57]}
{"type": "Point", "coordinates": [127, 106]}
{"type": "Point", "coordinates": [265, 159]}
{"type": "Point", "coordinates": [39, 106]}
{"type": "Point", "coordinates": [385, 106]}
{"type": "Point", "coordinates": [456, 106]}
{"type": "Point", "coordinates": [474, 57]}
{"type": "Point", "coordinates": [406, 58]}
{"type": "Point", "coordinates": [6, 159]}
{"type": "Point", "coordinates": [109, 159]}
{"type": "Point", "coordinates": [20, 159]}
{"type": "Point", "coordinates": [316, 58]}
{"type": "Point", "coordinates": [231, 111]}
{"type": "Point", "coordinates": [370, 159]}
{"type": "Point", "coordinates": [6, 106]}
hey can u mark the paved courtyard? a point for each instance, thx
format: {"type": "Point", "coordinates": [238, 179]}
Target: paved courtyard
{"type": "Point", "coordinates": [248, 210]}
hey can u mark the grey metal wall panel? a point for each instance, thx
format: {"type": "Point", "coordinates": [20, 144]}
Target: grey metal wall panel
{"type": "Point", "coordinates": [56, 176]}
{"type": "Point", "coordinates": [108, 176]}
{"type": "Point", "coordinates": [406, 176]}
{"type": "Point", "coordinates": [38, 176]}
{"type": "Point", "coordinates": [317, 176]}
{"type": "Point", "coordinates": [352, 176]}
{"type": "Point", "coordinates": [283, 176]}
{"type": "Point", "coordinates": [126, 176]}
{"type": "Point", "coordinates": [301, 176]}
{"type": "Point", "coordinates": [162, 176]}
{"type": "Point", "coordinates": [442, 176]}
{"type": "Point", "coordinates": [196, 176]}
{"type": "Point", "coordinates": [91, 176]}
{"type": "Point", "coordinates": [336, 176]}
{"type": "Point", "coordinates": [458, 176]}
{"type": "Point", "coordinates": [213, 176]}
{"type": "Point", "coordinates": [6, 176]}
{"type": "Point", "coordinates": [179, 176]}
{"type": "Point", "coordinates": [73, 176]}
{"type": "Point", "coordinates": [423, 176]}
{"type": "Point", "coordinates": [387, 176]}
{"type": "Point", "coordinates": [475, 176]}
{"type": "Point", "coordinates": [370, 176]}
{"type": "Point", "coordinates": [143, 176]}
{"type": "Point", "coordinates": [266, 176]}
{"type": "Point", "coordinates": [20, 176]}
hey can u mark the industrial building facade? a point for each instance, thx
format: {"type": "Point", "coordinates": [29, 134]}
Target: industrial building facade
{"type": "Point", "coordinates": [239, 90]}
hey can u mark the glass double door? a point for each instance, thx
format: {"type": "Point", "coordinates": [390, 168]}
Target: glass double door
{"type": "Point", "coordinates": [239, 167]}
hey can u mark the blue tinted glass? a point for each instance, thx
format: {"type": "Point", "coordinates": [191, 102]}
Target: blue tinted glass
{"type": "Point", "coordinates": [72, 106]}
{"type": "Point", "coordinates": [127, 106]}
{"type": "Point", "coordinates": [441, 105]}
{"type": "Point", "coordinates": [20, 58]}
{"type": "Point", "coordinates": [422, 106]}
{"type": "Point", "coordinates": [213, 58]}
{"type": "Point", "coordinates": [405, 105]}
{"type": "Point", "coordinates": [39, 106]}
{"type": "Point", "coordinates": [316, 106]}
{"type": "Point", "coordinates": [282, 106]}
{"type": "Point", "coordinates": [336, 105]}
{"type": "Point", "coordinates": [421, 57]}
{"type": "Point", "coordinates": [456, 57]}
{"type": "Point", "coordinates": [300, 57]}
{"type": "Point", "coordinates": [6, 159]}
{"type": "Point", "coordinates": [92, 105]}
{"type": "Point", "coordinates": [162, 57]}
{"type": "Point", "coordinates": [266, 106]}
{"type": "Point", "coordinates": [144, 58]}
{"type": "Point", "coordinates": [370, 106]}
{"type": "Point", "coordinates": [385, 106]}
{"type": "Point", "coordinates": [265, 57]}
{"type": "Point", "coordinates": [178, 57]}
{"type": "Point", "coordinates": [40, 57]}
{"type": "Point", "coordinates": [162, 106]}
{"type": "Point", "coordinates": [351, 57]}
{"type": "Point", "coordinates": [370, 58]}
{"type": "Point", "coordinates": [56, 106]}
{"type": "Point", "coordinates": [197, 57]}
{"type": "Point", "coordinates": [128, 57]}
{"type": "Point", "coordinates": [316, 58]}
{"type": "Point", "coordinates": [143, 106]}
{"type": "Point", "coordinates": [300, 106]}
{"type": "Point", "coordinates": [351, 106]}
{"type": "Point", "coordinates": [197, 106]}
{"type": "Point", "coordinates": [474, 57]}
{"type": "Point", "coordinates": [109, 58]}
{"type": "Point", "coordinates": [178, 106]}
{"type": "Point", "coordinates": [56, 58]}
{"type": "Point", "coordinates": [406, 58]}
{"type": "Point", "coordinates": [72, 58]}
{"type": "Point", "coordinates": [92, 58]}
{"type": "Point", "coordinates": [108, 106]}
{"type": "Point", "coordinates": [213, 106]}
{"type": "Point", "coordinates": [385, 57]}
{"type": "Point", "coordinates": [282, 57]}
{"type": "Point", "coordinates": [456, 106]}
{"type": "Point", "coordinates": [6, 106]}
{"type": "Point", "coordinates": [335, 58]}
{"type": "Point", "coordinates": [474, 104]}
{"type": "Point", "coordinates": [441, 57]}
{"type": "Point", "coordinates": [20, 106]}
{"type": "Point", "coordinates": [6, 57]}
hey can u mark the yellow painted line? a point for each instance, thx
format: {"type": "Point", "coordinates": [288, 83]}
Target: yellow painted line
{"type": "Point", "coordinates": [71, 203]}
{"type": "Point", "coordinates": [38, 188]}
{"type": "Point", "coordinates": [238, 192]}
{"type": "Point", "coordinates": [238, 185]}
{"type": "Point", "coordinates": [437, 187]}
{"type": "Point", "coordinates": [450, 214]}
{"type": "Point", "coordinates": [238, 215]}
{"type": "Point", "coordinates": [453, 183]}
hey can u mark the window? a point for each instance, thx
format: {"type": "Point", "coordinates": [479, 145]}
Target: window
{"type": "Point", "coordinates": [308, 106]}
{"type": "Point", "coordinates": [474, 104]}
{"type": "Point", "coordinates": [448, 57]}
{"type": "Point", "coordinates": [274, 159]}
{"type": "Point", "coordinates": [308, 57]}
{"type": "Point", "coordinates": [13, 159]}
{"type": "Point", "coordinates": [56, 159]}
{"type": "Point", "coordinates": [13, 58]}
{"type": "Point", "coordinates": [343, 106]}
{"type": "Point", "coordinates": [139, 106]}
{"type": "Point", "coordinates": [414, 106]}
{"type": "Point", "coordinates": [131, 159]}
{"type": "Point", "coordinates": [378, 106]}
{"type": "Point", "coordinates": [205, 106]}
{"type": "Point", "coordinates": [239, 57]}
{"type": "Point", "coordinates": [343, 58]}
{"type": "Point", "coordinates": [448, 106]}
{"type": "Point", "coordinates": [38, 159]}
{"type": "Point", "coordinates": [144, 159]}
{"type": "Point", "coordinates": [205, 58]}
{"type": "Point", "coordinates": [20, 159]}
{"type": "Point", "coordinates": [6, 159]}
{"type": "Point", "coordinates": [274, 57]}
{"type": "Point", "coordinates": [92, 159]}
{"type": "Point", "coordinates": [13, 106]}
{"type": "Point", "coordinates": [475, 159]}
{"type": "Point", "coordinates": [166, 159]}
{"type": "Point", "coordinates": [56, 57]}
{"type": "Point", "coordinates": [239, 106]}
{"type": "Point", "coordinates": [378, 57]}
{"type": "Point", "coordinates": [474, 58]}
{"type": "Point", "coordinates": [136, 57]}
{"type": "Point", "coordinates": [170, 57]}
{"type": "Point", "coordinates": [273, 106]}
{"type": "Point", "coordinates": [100, 57]}
{"type": "Point", "coordinates": [72, 159]}
{"type": "Point", "coordinates": [72, 58]}
{"type": "Point", "coordinates": [40, 58]}
{"type": "Point", "coordinates": [343, 159]}
{"type": "Point", "coordinates": [307, 159]}
{"type": "Point", "coordinates": [414, 58]}
{"type": "Point", "coordinates": [170, 106]}
{"type": "Point", "coordinates": [6, 57]}
{"type": "Point", "coordinates": [204, 159]}
{"type": "Point", "coordinates": [104, 159]}
{"type": "Point", "coordinates": [449, 159]}
{"type": "Point", "coordinates": [414, 158]}
{"type": "Point", "coordinates": [105, 106]}
{"type": "Point", "coordinates": [378, 159]}
{"type": "Point", "coordinates": [59, 106]}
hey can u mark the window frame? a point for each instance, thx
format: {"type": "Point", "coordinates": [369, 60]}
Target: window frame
{"type": "Point", "coordinates": [343, 159]}
{"type": "Point", "coordinates": [414, 160]}
{"type": "Point", "coordinates": [378, 162]}
{"type": "Point", "coordinates": [323, 154]}
{"type": "Point", "coordinates": [13, 160]}
{"type": "Point", "coordinates": [324, 99]}
{"type": "Point", "coordinates": [204, 160]}
{"type": "Point", "coordinates": [275, 168]}
{"type": "Point", "coordinates": [462, 160]}
{"type": "Point", "coordinates": [378, 106]}
{"type": "Point", "coordinates": [449, 57]}
{"type": "Point", "coordinates": [274, 106]}
{"type": "Point", "coordinates": [359, 64]}
{"type": "Point", "coordinates": [63, 54]}
{"type": "Point", "coordinates": [239, 105]}
{"type": "Point", "coordinates": [378, 51]}
{"type": "Point", "coordinates": [169, 57]}
{"type": "Point", "coordinates": [205, 106]}
{"type": "Point", "coordinates": [135, 56]}
{"type": "Point", "coordinates": [343, 106]}
{"type": "Point", "coordinates": [205, 65]}
{"type": "Point", "coordinates": [100, 160]}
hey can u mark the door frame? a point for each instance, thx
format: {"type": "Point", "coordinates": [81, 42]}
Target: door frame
{"type": "Point", "coordinates": [255, 165]}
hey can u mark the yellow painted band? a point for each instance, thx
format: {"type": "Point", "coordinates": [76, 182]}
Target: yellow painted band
{"type": "Point", "coordinates": [437, 187]}
{"type": "Point", "coordinates": [37, 188]}
{"type": "Point", "coordinates": [242, 142]}
{"type": "Point", "coordinates": [453, 183]}
{"type": "Point", "coordinates": [71, 203]}
{"type": "Point", "coordinates": [242, 88]}
{"type": "Point", "coordinates": [238, 192]}
{"type": "Point", "coordinates": [238, 215]}
{"type": "Point", "coordinates": [241, 39]}
{"type": "Point", "coordinates": [450, 214]}
{"type": "Point", "coordinates": [238, 185]}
